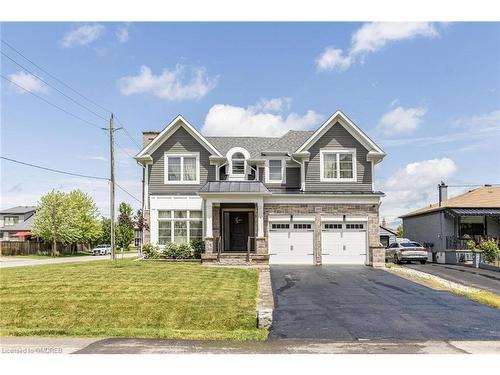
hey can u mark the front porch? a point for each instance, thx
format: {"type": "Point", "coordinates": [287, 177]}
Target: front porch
{"type": "Point", "coordinates": [234, 225]}
{"type": "Point", "coordinates": [472, 224]}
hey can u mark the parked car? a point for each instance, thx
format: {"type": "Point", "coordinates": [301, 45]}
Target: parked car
{"type": "Point", "coordinates": [406, 251]}
{"type": "Point", "coordinates": [101, 250]}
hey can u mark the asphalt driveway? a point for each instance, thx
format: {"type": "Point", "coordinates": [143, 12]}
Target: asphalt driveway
{"type": "Point", "coordinates": [347, 303]}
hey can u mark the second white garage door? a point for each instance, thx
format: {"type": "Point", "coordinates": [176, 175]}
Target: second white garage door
{"type": "Point", "coordinates": [343, 243]}
{"type": "Point", "coordinates": [291, 243]}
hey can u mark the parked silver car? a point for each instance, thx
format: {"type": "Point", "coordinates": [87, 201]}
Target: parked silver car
{"type": "Point", "coordinates": [101, 250]}
{"type": "Point", "coordinates": [406, 251]}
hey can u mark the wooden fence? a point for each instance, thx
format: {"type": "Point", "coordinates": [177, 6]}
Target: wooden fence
{"type": "Point", "coordinates": [32, 248]}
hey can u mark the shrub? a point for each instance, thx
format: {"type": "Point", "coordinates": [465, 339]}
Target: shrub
{"type": "Point", "coordinates": [197, 246]}
{"type": "Point", "coordinates": [150, 251]}
{"type": "Point", "coordinates": [184, 251]}
{"type": "Point", "coordinates": [170, 250]}
{"type": "Point", "coordinates": [471, 245]}
{"type": "Point", "coordinates": [490, 250]}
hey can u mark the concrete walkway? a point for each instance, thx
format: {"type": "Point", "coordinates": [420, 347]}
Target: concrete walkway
{"type": "Point", "coordinates": [466, 275]}
{"type": "Point", "coordinates": [65, 345]}
{"type": "Point", "coordinates": [8, 262]}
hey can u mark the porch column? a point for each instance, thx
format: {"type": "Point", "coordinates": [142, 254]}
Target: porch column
{"type": "Point", "coordinates": [208, 219]}
{"type": "Point", "coordinates": [260, 218]}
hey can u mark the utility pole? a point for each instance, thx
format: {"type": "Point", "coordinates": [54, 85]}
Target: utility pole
{"type": "Point", "coordinates": [112, 185]}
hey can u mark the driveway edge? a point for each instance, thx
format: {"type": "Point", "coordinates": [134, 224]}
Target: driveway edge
{"type": "Point", "coordinates": [265, 304]}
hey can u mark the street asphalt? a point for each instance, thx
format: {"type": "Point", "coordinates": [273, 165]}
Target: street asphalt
{"type": "Point", "coordinates": [358, 303]}
{"type": "Point", "coordinates": [8, 262]}
{"type": "Point", "coordinates": [466, 275]}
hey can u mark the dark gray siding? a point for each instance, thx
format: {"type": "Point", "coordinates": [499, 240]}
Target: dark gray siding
{"type": "Point", "coordinates": [292, 180]}
{"type": "Point", "coordinates": [337, 136]}
{"type": "Point", "coordinates": [179, 142]}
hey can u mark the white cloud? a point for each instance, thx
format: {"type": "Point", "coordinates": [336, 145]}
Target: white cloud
{"type": "Point", "coordinates": [401, 120]}
{"type": "Point", "coordinates": [27, 81]}
{"type": "Point", "coordinates": [371, 37]}
{"type": "Point", "coordinates": [82, 35]}
{"type": "Point", "coordinates": [414, 186]}
{"type": "Point", "coordinates": [490, 120]}
{"type": "Point", "coordinates": [122, 34]}
{"type": "Point", "coordinates": [92, 157]}
{"type": "Point", "coordinates": [266, 118]}
{"type": "Point", "coordinates": [179, 84]}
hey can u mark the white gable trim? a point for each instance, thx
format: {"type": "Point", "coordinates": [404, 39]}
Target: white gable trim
{"type": "Point", "coordinates": [170, 129]}
{"type": "Point", "coordinates": [356, 132]}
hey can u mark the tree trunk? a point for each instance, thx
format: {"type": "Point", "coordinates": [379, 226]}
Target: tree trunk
{"type": "Point", "coordinates": [54, 248]}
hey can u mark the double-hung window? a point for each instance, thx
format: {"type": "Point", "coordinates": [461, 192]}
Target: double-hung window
{"type": "Point", "coordinates": [338, 165]}
{"type": "Point", "coordinates": [179, 226]}
{"type": "Point", "coordinates": [275, 171]}
{"type": "Point", "coordinates": [182, 169]}
{"type": "Point", "coordinates": [10, 220]}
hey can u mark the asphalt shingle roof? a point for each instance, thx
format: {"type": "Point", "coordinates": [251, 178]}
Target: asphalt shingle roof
{"type": "Point", "coordinates": [483, 197]}
{"type": "Point", "coordinates": [18, 210]}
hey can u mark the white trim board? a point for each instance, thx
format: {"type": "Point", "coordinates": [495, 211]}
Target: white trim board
{"type": "Point", "coordinates": [170, 129]}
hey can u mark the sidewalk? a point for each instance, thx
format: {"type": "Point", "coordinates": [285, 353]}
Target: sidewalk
{"type": "Point", "coordinates": [466, 275]}
{"type": "Point", "coordinates": [8, 262]}
{"type": "Point", "coordinates": [61, 345]}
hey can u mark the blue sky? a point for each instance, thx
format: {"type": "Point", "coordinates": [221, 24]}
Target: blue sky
{"type": "Point", "coordinates": [428, 94]}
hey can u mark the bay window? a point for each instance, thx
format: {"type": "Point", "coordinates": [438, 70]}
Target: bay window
{"type": "Point", "coordinates": [182, 169]}
{"type": "Point", "coordinates": [337, 165]}
{"type": "Point", "coordinates": [179, 226]}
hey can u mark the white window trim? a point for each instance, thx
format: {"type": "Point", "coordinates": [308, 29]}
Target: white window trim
{"type": "Point", "coordinates": [172, 221]}
{"type": "Point", "coordinates": [283, 171]}
{"type": "Point", "coordinates": [182, 156]}
{"type": "Point", "coordinates": [229, 157]}
{"type": "Point", "coordinates": [337, 162]}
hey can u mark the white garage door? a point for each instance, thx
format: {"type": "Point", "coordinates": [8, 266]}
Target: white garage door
{"type": "Point", "coordinates": [291, 243]}
{"type": "Point", "coordinates": [343, 243]}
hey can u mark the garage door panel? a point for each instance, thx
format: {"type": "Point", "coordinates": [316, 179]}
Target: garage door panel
{"type": "Point", "coordinates": [292, 246]}
{"type": "Point", "coordinates": [343, 246]}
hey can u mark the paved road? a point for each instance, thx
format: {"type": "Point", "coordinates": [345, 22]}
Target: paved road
{"type": "Point", "coordinates": [8, 262]}
{"type": "Point", "coordinates": [348, 303]}
{"type": "Point", "coordinates": [475, 277]}
{"type": "Point", "coordinates": [65, 345]}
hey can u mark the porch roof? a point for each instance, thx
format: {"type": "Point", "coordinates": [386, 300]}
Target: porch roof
{"type": "Point", "coordinates": [475, 211]}
{"type": "Point", "coordinates": [241, 187]}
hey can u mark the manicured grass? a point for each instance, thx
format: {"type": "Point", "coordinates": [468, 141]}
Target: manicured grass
{"type": "Point", "coordinates": [131, 299]}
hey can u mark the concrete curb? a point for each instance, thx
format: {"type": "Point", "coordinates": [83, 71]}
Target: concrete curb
{"type": "Point", "coordinates": [265, 304]}
{"type": "Point", "coordinates": [446, 283]}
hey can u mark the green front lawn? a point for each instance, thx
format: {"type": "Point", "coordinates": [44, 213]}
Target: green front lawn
{"type": "Point", "coordinates": [132, 299]}
{"type": "Point", "coordinates": [47, 256]}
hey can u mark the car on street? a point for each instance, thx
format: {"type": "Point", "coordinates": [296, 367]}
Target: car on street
{"type": "Point", "coordinates": [406, 251]}
{"type": "Point", "coordinates": [101, 250]}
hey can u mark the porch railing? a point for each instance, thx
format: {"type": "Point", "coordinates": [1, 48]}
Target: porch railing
{"type": "Point", "coordinates": [458, 243]}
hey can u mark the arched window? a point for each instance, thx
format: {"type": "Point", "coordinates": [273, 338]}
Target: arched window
{"type": "Point", "coordinates": [238, 164]}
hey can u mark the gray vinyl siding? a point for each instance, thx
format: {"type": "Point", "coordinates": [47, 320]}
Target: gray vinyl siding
{"type": "Point", "coordinates": [292, 179]}
{"type": "Point", "coordinates": [338, 137]}
{"type": "Point", "coordinates": [179, 142]}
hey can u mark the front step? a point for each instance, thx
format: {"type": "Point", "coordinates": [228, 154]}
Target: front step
{"type": "Point", "coordinates": [235, 258]}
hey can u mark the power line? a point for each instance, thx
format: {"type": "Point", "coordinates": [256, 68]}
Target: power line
{"type": "Point", "coordinates": [127, 133]}
{"type": "Point", "coordinates": [50, 103]}
{"type": "Point", "coordinates": [129, 194]}
{"type": "Point", "coordinates": [55, 78]}
{"type": "Point", "coordinates": [53, 170]}
{"type": "Point", "coordinates": [55, 88]}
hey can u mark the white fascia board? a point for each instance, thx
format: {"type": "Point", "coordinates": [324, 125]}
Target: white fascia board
{"type": "Point", "coordinates": [322, 199]}
{"type": "Point", "coordinates": [354, 130]}
{"type": "Point", "coordinates": [176, 202]}
{"type": "Point", "coordinates": [302, 218]}
{"type": "Point", "coordinates": [356, 218]}
{"type": "Point", "coordinates": [169, 130]}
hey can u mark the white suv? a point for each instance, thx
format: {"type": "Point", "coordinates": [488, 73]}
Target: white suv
{"type": "Point", "coordinates": [101, 250]}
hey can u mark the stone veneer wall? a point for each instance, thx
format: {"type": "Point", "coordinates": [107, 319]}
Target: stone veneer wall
{"type": "Point", "coordinates": [370, 210]}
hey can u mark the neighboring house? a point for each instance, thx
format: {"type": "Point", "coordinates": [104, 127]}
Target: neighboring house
{"type": "Point", "coordinates": [16, 223]}
{"type": "Point", "coordinates": [307, 197]}
{"type": "Point", "coordinates": [387, 236]}
{"type": "Point", "coordinates": [448, 224]}
{"type": "Point", "coordinates": [137, 237]}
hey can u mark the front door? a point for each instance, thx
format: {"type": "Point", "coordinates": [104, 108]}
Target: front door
{"type": "Point", "coordinates": [238, 231]}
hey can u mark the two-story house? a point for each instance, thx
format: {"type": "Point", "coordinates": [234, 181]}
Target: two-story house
{"type": "Point", "coordinates": [16, 222]}
{"type": "Point", "coordinates": [307, 197]}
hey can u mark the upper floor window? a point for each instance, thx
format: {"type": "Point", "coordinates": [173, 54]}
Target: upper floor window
{"type": "Point", "coordinates": [275, 171]}
{"type": "Point", "coordinates": [10, 220]}
{"type": "Point", "coordinates": [338, 165]}
{"type": "Point", "coordinates": [238, 164]}
{"type": "Point", "coordinates": [182, 169]}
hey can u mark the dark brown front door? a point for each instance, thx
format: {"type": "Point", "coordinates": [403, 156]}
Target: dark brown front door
{"type": "Point", "coordinates": [238, 231]}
